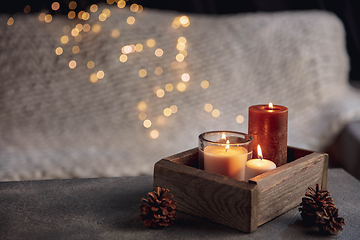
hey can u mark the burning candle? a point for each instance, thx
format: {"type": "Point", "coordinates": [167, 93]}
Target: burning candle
{"type": "Point", "coordinates": [226, 155]}
{"type": "Point", "coordinates": [258, 166]}
{"type": "Point", "coordinates": [268, 127]}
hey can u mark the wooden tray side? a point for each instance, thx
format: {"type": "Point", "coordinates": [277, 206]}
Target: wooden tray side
{"type": "Point", "coordinates": [282, 189]}
{"type": "Point", "coordinates": [203, 194]}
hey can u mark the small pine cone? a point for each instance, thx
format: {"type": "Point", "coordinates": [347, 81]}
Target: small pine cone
{"type": "Point", "coordinates": [159, 209]}
{"type": "Point", "coordinates": [328, 221]}
{"type": "Point", "coordinates": [314, 201]}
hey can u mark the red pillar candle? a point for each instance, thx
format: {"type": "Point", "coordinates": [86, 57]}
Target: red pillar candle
{"type": "Point", "coordinates": [268, 127]}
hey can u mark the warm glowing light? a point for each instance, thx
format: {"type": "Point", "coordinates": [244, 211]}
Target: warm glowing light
{"type": "Point", "coordinates": [93, 78]}
{"type": "Point", "coordinates": [154, 134]}
{"type": "Point", "coordinates": [179, 57]}
{"type": "Point", "coordinates": [150, 43]}
{"type": "Point", "coordinates": [134, 7]}
{"type": "Point", "coordinates": [239, 119]}
{"type": "Point", "coordinates": [107, 12]}
{"type": "Point", "coordinates": [133, 48]}
{"type": "Point", "coordinates": [227, 145]}
{"type": "Point", "coordinates": [159, 52]}
{"type": "Point", "coordinates": [90, 64]}
{"type": "Point", "coordinates": [72, 5]}
{"type": "Point", "coordinates": [260, 155]}
{"type": "Point", "coordinates": [182, 40]}
{"type": "Point", "coordinates": [79, 27]}
{"type": "Point", "coordinates": [140, 9]}
{"type": "Point", "coordinates": [180, 46]}
{"type": "Point", "coordinates": [130, 20]}
{"type": "Point", "coordinates": [184, 20]}
{"type": "Point", "coordinates": [142, 116]}
{"type": "Point", "coordinates": [182, 65]}
{"type": "Point", "coordinates": [223, 136]}
{"type": "Point", "coordinates": [80, 14]}
{"type": "Point", "coordinates": [71, 15]}
{"type": "Point", "coordinates": [147, 123]}
{"type": "Point", "coordinates": [208, 107]}
{"type": "Point", "coordinates": [160, 93]}
{"type": "Point", "coordinates": [42, 17]}
{"type": "Point", "coordinates": [121, 4]}
{"type": "Point", "coordinates": [139, 47]}
{"type": "Point", "coordinates": [215, 113]}
{"type": "Point", "coordinates": [169, 87]}
{"type": "Point", "coordinates": [100, 74]}
{"type": "Point", "coordinates": [94, 8]}
{"type": "Point", "coordinates": [96, 28]}
{"type": "Point", "coordinates": [115, 33]}
{"type": "Point", "coordinates": [185, 77]}
{"type": "Point", "coordinates": [72, 64]}
{"type": "Point", "coordinates": [55, 6]}
{"type": "Point", "coordinates": [75, 32]}
{"type": "Point", "coordinates": [102, 17]}
{"type": "Point", "coordinates": [158, 71]}
{"type": "Point", "coordinates": [173, 108]}
{"type": "Point", "coordinates": [167, 112]}
{"type": "Point", "coordinates": [64, 39]}
{"type": "Point", "coordinates": [142, 73]}
{"type": "Point", "coordinates": [59, 51]}
{"type": "Point", "coordinates": [27, 9]}
{"type": "Point", "coordinates": [48, 18]}
{"type": "Point", "coordinates": [204, 84]}
{"type": "Point", "coordinates": [75, 49]}
{"type": "Point", "coordinates": [110, 2]}
{"type": "Point", "coordinates": [183, 52]}
{"type": "Point", "coordinates": [271, 106]}
{"type": "Point", "coordinates": [176, 23]}
{"type": "Point", "coordinates": [86, 27]}
{"type": "Point", "coordinates": [123, 58]}
{"type": "Point", "coordinates": [126, 49]}
{"type": "Point", "coordinates": [66, 29]}
{"type": "Point", "coordinates": [78, 38]}
{"type": "Point", "coordinates": [142, 106]}
{"type": "Point", "coordinates": [10, 21]}
{"type": "Point", "coordinates": [181, 87]}
{"type": "Point", "coordinates": [85, 16]}
{"type": "Point", "coordinates": [160, 120]}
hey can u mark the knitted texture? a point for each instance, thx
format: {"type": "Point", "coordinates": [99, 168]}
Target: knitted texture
{"type": "Point", "coordinates": [56, 123]}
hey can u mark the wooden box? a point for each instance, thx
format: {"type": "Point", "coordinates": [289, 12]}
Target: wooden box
{"type": "Point", "coordinates": [237, 204]}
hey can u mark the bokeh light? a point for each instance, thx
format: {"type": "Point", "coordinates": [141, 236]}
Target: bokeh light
{"type": "Point", "coordinates": [142, 116]}
{"type": "Point", "coordinates": [173, 108]}
{"type": "Point", "coordinates": [115, 33]}
{"type": "Point", "coordinates": [93, 78]}
{"type": "Point", "coordinates": [208, 107]}
{"type": "Point", "coordinates": [72, 5]}
{"type": "Point", "coordinates": [185, 77]}
{"type": "Point", "coordinates": [121, 4]}
{"type": "Point", "coordinates": [10, 21]}
{"type": "Point", "coordinates": [42, 17]}
{"type": "Point", "coordinates": [96, 28]}
{"type": "Point", "coordinates": [72, 64]}
{"type": "Point", "coordinates": [100, 74]}
{"type": "Point", "coordinates": [169, 87]}
{"type": "Point", "coordinates": [130, 20]}
{"type": "Point", "coordinates": [240, 119]}
{"type": "Point", "coordinates": [158, 71]}
{"type": "Point", "coordinates": [55, 6]}
{"type": "Point", "coordinates": [167, 112]}
{"type": "Point", "coordinates": [90, 64]}
{"type": "Point", "coordinates": [154, 134]}
{"type": "Point", "coordinates": [150, 43]}
{"type": "Point", "coordinates": [215, 113]}
{"type": "Point", "coordinates": [159, 52]}
{"type": "Point", "coordinates": [123, 58]}
{"type": "Point", "coordinates": [142, 106]}
{"type": "Point", "coordinates": [142, 73]}
{"type": "Point", "coordinates": [71, 15]}
{"type": "Point", "coordinates": [75, 49]}
{"type": "Point", "coordinates": [181, 87]}
{"type": "Point", "coordinates": [94, 8]}
{"type": "Point", "coordinates": [147, 123]}
{"type": "Point", "coordinates": [64, 39]}
{"type": "Point", "coordinates": [160, 93]}
{"type": "Point", "coordinates": [59, 51]}
{"type": "Point", "coordinates": [48, 18]}
{"type": "Point", "coordinates": [204, 84]}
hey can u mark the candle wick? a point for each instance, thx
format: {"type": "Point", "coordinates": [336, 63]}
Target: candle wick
{"type": "Point", "coordinates": [260, 157]}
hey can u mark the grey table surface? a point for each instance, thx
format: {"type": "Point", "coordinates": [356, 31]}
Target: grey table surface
{"type": "Point", "coordinates": [107, 208]}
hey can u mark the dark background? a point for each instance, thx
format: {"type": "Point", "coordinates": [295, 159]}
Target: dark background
{"type": "Point", "coordinates": [346, 10]}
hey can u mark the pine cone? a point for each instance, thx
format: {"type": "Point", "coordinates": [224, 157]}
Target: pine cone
{"type": "Point", "coordinates": [314, 201]}
{"type": "Point", "coordinates": [328, 220]}
{"type": "Point", "coordinates": [159, 209]}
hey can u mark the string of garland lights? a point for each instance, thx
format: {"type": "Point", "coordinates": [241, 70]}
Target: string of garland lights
{"type": "Point", "coordinates": [76, 33]}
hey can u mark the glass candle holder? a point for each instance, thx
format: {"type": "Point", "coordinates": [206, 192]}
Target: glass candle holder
{"type": "Point", "coordinates": [225, 153]}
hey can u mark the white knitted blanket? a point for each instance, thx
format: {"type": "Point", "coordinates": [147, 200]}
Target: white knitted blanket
{"type": "Point", "coordinates": [56, 123]}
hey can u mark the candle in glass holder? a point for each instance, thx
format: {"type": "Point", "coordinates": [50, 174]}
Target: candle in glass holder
{"type": "Point", "coordinates": [268, 127]}
{"type": "Point", "coordinates": [258, 166]}
{"type": "Point", "coordinates": [225, 153]}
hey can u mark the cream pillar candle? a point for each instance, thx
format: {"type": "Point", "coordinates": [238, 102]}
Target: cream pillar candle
{"type": "Point", "coordinates": [226, 160]}
{"type": "Point", "coordinates": [256, 167]}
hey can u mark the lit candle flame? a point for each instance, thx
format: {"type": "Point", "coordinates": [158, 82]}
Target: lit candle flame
{"type": "Point", "coordinates": [223, 136]}
{"type": "Point", "coordinates": [227, 145]}
{"type": "Point", "coordinates": [260, 156]}
{"type": "Point", "coordinates": [271, 106]}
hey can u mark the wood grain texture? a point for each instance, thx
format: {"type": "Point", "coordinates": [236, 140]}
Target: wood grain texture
{"type": "Point", "coordinates": [218, 198]}
{"type": "Point", "coordinates": [282, 189]}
